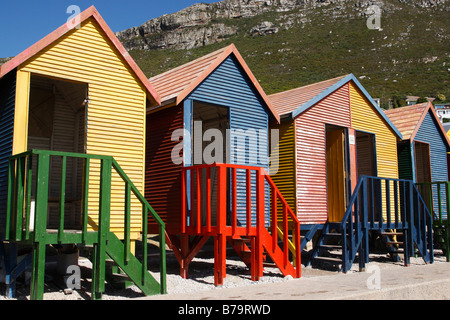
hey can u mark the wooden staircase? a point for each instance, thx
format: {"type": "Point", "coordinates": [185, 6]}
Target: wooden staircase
{"type": "Point", "coordinates": [395, 243]}
{"type": "Point", "coordinates": [394, 209]}
{"type": "Point", "coordinates": [255, 240]}
{"type": "Point", "coordinates": [105, 246]}
{"type": "Point", "coordinates": [328, 251]}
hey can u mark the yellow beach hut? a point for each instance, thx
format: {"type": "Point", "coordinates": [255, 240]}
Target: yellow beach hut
{"type": "Point", "coordinates": [68, 104]}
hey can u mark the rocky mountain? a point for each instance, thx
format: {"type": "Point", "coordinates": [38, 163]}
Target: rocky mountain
{"type": "Point", "coordinates": [203, 24]}
{"type": "Point", "coordinates": [290, 43]}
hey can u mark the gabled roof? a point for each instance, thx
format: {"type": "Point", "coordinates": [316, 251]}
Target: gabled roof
{"type": "Point", "coordinates": [91, 12]}
{"type": "Point", "coordinates": [175, 85]}
{"type": "Point", "coordinates": [409, 119]}
{"type": "Point", "coordinates": [288, 102]}
{"type": "Point", "coordinates": [293, 102]}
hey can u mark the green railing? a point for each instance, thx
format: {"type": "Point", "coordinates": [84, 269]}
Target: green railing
{"type": "Point", "coordinates": [437, 196]}
{"type": "Point", "coordinates": [27, 185]}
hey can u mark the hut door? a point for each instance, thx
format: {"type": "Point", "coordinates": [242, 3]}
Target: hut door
{"type": "Point", "coordinates": [365, 154]}
{"type": "Point", "coordinates": [336, 173]}
{"type": "Point", "coordinates": [423, 165]}
{"type": "Point", "coordinates": [56, 122]}
{"type": "Point", "coordinates": [367, 165]}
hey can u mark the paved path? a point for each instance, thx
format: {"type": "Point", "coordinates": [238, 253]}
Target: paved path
{"type": "Point", "coordinates": [420, 282]}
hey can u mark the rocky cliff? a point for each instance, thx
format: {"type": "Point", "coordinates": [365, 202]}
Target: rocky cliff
{"type": "Point", "coordinates": [203, 24]}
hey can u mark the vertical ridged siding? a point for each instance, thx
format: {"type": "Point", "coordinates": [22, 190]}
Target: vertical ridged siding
{"type": "Point", "coordinates": [284, 154]}
{"type": "Point", "coordinates": [366, 118]}
{"type": "Point", "coordinates": [405, 170]}
{"type": "Point", "coordinates": [162, 176]}
{"type": "Point", "coordinates": [228, 86]}
{"type": "Point", "coordinates": [429, 132]}
{"type": "Point", "coordinates": [116, 113]}
{"type": "Point", "coordinates": [312, 205]}
{"type": "Point", "coordinates": [7, 99]}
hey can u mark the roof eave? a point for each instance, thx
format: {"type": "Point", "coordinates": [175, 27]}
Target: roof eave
{"type": "Point", "coordinates": [320, 96]}
{"type": "Point", "coordinates": [91, 12]}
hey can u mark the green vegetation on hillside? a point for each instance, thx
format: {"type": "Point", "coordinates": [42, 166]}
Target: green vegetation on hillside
{"type": "Point", "coordinates": [408, 56]}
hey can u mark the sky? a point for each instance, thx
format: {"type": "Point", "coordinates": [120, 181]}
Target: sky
{"type": "Point", "coordinates": [25, 22]}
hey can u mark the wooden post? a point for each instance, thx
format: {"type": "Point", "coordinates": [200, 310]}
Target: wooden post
{"type": "Point", "coordinates": [220, 238]}
{"type": "Point", "coordinates": [184, 248]}
{"type": "Point", "coordinates": [38, 271]}
{"type": "Point", "coordinates": [260, 220]}
{"type": "Point", "coordinates": [103, 228]}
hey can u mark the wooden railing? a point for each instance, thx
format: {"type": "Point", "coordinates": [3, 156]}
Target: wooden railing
{"type": "Point", "coordinates": [238, 200]}
{"type": "Point", "coordinates": [437, 196]}
{"type": "Point", "coordinates": [383, 203]}
{"type": "Point", "coordinates": [26, 225]}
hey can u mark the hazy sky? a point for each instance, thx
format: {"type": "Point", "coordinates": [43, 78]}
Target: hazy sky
{"type": "Point", "coordinates": [25, 22]}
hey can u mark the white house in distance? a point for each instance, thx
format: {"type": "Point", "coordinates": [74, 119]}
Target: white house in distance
{"type": "Point", "coordinates": [443, 111]}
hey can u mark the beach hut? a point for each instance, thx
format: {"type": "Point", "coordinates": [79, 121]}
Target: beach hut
{"type": "Point", "coordinates": [423, 159]}
{"type": "Point", "coordinates": [332, 134]}
{"type": "Point", "coordinates": [72, 146]}
{"type": "Point", "coordinates": [423, 150]}
{"type": "Point", "coordinates": [207, 151]}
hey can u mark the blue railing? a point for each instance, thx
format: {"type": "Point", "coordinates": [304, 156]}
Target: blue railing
{"type": "Point", "coordinates": [383, 203]}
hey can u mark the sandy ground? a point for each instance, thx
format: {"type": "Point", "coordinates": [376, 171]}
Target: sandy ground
{"type": "Point", "coordinates": [201, 277]}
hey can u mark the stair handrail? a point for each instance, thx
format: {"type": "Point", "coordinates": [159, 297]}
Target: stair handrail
{"type": "Point", "coordinates": [351, 216]}
{"type": "Point", "coordinates": [288, 213]}
{"type": "Point", "coordinates": [422, 225]}
{"type": "Point", "coordinates": [147, 208]}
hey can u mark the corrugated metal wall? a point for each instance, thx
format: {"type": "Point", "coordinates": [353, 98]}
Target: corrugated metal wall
{"type": "Point", "coordinates": [162, 176]}
{"type": "Point", "coordinates": [429, 133]}
{"type": "Point", "coordinates": [365, 118]}
{"type": "Point", "coordinates": [7, 99]}
{"type": "Point", "coordinates": [283, 153]}
{"type": "Point", "coordinates": [228, 86]}
{"type": "Point", "coordinates": [116, 115]}
{"type": "Point", "coordinates": [405, 169]}
{"type": "Point", "coordinates": [312, 205]}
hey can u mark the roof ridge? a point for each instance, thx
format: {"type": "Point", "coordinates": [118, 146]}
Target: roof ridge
{"type": "Point", "coordinates": [217, 52]}
{"type": "Point", "coordinates": [308, 85]}
{"type": "Point", "coordinates": [405, 108]}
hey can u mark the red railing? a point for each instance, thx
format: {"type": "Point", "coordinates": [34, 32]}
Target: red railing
{"type": "Point", "coordinates": [288, 219]}
{"type": "Point", "coordinates": [226, 199]}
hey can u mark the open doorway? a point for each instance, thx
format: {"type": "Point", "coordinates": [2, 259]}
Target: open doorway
{"type": "Point", "coordinates": [337, 169]}
{"type": "Point", "coordinates": [209, 147]}
{"type": "Point", "coordinates": [366, 154]}
{"type": "Point", "coordinates": [57, 122]}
